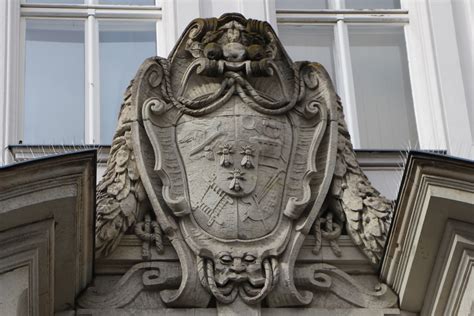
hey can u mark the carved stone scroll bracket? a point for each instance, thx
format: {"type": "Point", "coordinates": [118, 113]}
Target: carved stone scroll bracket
{"type": "Point", "coordinates": [326, 277]}
{"type": "Point", "coordinates": [190, 293]}
{"type": "Point", "coordinates": [142, 276]}
{"type": "Point", "coordinates": [285, 292]}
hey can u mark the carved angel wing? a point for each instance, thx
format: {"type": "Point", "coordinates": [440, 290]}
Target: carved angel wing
{"type": "Point", "coordinates": [367, 213]}
{"type": "Point", "coordinates": [120, 193]}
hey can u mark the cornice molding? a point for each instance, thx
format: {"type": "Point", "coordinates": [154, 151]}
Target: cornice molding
{"type": "Point", "coordinates": [435, 189]}
{"type": "Point", "coordinates": [59, 189]}
{"type": "Point", "coordinates": [453, 267]}
{"type": "Point", "coordinates": [29, 249]}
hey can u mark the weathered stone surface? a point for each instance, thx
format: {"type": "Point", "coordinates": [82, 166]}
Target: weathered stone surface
{"type": "Point", "coordinates": [46, 227]}
{"type": "Point", "coordinates": [228, 149]}
{"type": "Point", "coordinates": [430, 253]}
{"type": "Point", "coordinates": [14, 291]}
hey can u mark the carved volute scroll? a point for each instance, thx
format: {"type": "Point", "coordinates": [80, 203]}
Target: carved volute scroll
{"type": "Point", "coordinates": [233, 147]}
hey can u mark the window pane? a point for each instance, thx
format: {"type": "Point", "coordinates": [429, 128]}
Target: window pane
{"type": "Point", "coordinates": [309, 42]}
{"type": "Point", "coordinates": [123, 47]}
{"type": "Point", "coordinates": [301, 4]}
{"type": "Point", "coordinates": [56, 1]}
{"type": "Point", "coordinates": [373, 4]}
{"type": "Point", "coordinates": [382, 87]}
{"type": "Point", "coordinates": [54, 82]}
{"type": "Point", "coordinates": [128, 2]}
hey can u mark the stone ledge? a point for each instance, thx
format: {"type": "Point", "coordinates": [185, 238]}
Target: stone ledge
{"type": "Point", "coordinates": [265, 311]}
{"type": "Point", "coordinates": [128, 253]}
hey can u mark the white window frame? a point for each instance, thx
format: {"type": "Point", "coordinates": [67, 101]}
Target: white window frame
{"type": "Point", "coordinates": [430, 135]}
{"type": "Point", "coordinates": [437, 83]}
{"type": "Point", "coordinates": [178, 13]}
{"type": "Point", "coordinates": [10, 15]}
{"type": "Point", "coordinates": [439, 103]}
{"type": "Point", "coordinates": [91, 12]}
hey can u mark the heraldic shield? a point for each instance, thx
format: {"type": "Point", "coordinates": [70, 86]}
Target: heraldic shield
{"type": "Point", "coordinates": [245, 156]}
{"type": "Point", "coordinates": [234, 146]}
{"type": "Point", "coordinates": [242, 141]}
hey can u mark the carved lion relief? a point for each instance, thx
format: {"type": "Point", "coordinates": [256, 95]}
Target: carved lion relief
{"type": "Point", "coordinates": [235, 153]}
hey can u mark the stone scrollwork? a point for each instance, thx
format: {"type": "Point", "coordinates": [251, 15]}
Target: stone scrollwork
{"type": "Point", "coordinates": [238, 153]}
{"type": "Point", "coordinates": [325, 277]}
{"type": "Point", "coordinates": [145, 276]}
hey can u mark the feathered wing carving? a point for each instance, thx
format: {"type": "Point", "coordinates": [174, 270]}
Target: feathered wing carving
{"type": "Point", "coordinates": [120, 193]}
{"type": "Point", "coordinates": [352, 197]}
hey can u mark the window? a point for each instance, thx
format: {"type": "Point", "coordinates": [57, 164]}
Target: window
{"type": "Point", "coordinates": [382, 87]}
{"type": "Point", "coordinates": [54, 81]}
{"type": "Point", "coordinates": [365, 54]}
{"type": "Point", "coordinates": [120, 41]}
{"type": "Point", "coordinates": [78, 58]}
{"type": "Point", "coordinates": [68, 63]}
{"type": "Point", "coordinates": [308, 42]}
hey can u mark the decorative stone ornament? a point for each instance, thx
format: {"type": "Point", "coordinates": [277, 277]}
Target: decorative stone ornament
{"type": "Point", "coordinates": [236, 153]}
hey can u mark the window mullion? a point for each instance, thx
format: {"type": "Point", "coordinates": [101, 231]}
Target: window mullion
{"type": "Point", "coordinates": [11, 101]}
{"type": "Point", "coordinates": [336, 4]}
{"type": "Point", "coordinates": [345, 80]}
{"type": "Point", "coordinates": [344, 75]}
{"type": "Point", "coordinates": [160, 39]}
{"type": "Point", "coordinates": [20, 111]}
{"type": "Point", "coordinates": [92, 112]}
{"type": "Point", "coordinates": [423, 78]}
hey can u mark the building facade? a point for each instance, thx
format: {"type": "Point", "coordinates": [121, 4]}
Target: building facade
{"type": "Point", "coordinates": [416, 56]}
{"type": "Point", "coordinates": [403, 71]}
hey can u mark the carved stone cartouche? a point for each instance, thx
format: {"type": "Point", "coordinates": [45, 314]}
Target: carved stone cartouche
{"type": "Point", "coordinates": [231, 149]}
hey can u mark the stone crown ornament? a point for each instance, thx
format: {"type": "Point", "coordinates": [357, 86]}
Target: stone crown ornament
{"type": "Point", "coordinates": [234, 153]}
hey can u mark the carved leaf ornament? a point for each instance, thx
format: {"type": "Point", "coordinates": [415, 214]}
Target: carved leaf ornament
{"type": "Point", "coordinates": [234, 149]}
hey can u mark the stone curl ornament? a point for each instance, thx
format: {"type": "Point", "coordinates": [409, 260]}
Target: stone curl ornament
{"type": "Point", "coordinates": [237, 151]}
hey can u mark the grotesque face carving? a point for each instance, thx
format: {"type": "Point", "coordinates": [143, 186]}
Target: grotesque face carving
{"type": "Point", "coordinates": [233, 45]}
{"type": "Point", "coordinates": [240, 272]}
{"type": "Point", "coordinates": [239, 268]}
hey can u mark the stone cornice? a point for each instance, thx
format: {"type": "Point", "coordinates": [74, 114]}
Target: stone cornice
{"type": "Point", "coordinates": [435, 189]}
{"type": "Point", "coordinates": [60, 190]}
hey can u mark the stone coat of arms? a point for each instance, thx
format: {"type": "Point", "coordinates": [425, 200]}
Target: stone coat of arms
{"type": "Point", "coordinates": [236, 153]}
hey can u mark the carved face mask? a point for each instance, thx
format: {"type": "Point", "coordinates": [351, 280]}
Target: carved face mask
{"type": "Point", "coordinates": [232, 42]}
{"type": "Point", "coordinates": [238, 268]}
